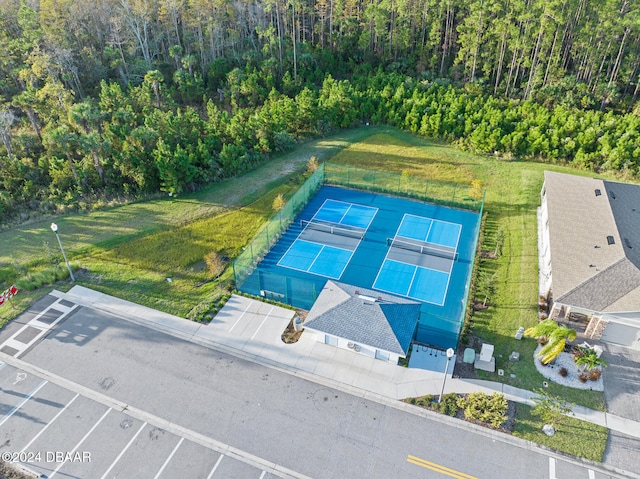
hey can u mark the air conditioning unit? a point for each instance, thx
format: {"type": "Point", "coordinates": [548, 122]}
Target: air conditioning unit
{"type": "Point", "coordinates": [356, 347]}
{"type": "Point", "coordinates": [350, 345]}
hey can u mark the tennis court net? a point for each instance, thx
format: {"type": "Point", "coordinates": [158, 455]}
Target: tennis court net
{"type": "Point", "coordinates": [334, 229]}
{"type": "Point", "coordinates": [422, 248]}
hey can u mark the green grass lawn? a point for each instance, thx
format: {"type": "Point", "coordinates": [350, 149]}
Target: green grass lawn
{"type": "Point", "coordinates": [131, 250]}
{"type": "Point", "coordinates": [574, 436]}
{"type": "Point", "coordinates": [513, 189]}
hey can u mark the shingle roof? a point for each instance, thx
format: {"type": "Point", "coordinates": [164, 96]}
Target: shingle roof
{"type": "Point", "coordinates": [587, 271]}
{"type": "Point", "coordinates": [365, 316]}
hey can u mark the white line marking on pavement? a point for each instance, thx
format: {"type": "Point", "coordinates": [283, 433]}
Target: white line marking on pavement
{"type": "Point", "coordinates": [15, 408]}
{"type": "Point", "coordinates": [592, 475]}
{"type": "Point", "coordinates": [265, 318]}
{"type": "Point", "coordinates": [70, 453]}
{"type": "Point", "coordinates": [180, 431]}
{"type": "Point", "coordinates": [169, 458]}
{"type": "Point", "coordinates": [215, 467]}
{"type": "Point", "coordinates": [263, 474]}
{"type": "Point", "coordinates": [123, 451]}
{"type": "Point", "coordinates": [552, 468]}
{"type": "Point", "coordinates": [20, 377]}
{"type": "Point", "coordinates": [50, 422]}
{"type": "Point", "coordinates": [240, 317]}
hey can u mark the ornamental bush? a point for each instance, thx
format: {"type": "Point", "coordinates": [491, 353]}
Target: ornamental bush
{"type": "Point", "coordinates": [490, 409]}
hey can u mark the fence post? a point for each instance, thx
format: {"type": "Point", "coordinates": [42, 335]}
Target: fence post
{"type": "Point", "coordinates": [235, 277]}
{"type": "Point", "coordinates": [453, 198]}
{"type": "Point", "coordinates": [399, 181]}
{"type": "Point", "coordinates": [426, 188]}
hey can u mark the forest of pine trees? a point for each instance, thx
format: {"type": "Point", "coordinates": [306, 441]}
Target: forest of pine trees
{"type": "Point", "coordinates": [109, 99]}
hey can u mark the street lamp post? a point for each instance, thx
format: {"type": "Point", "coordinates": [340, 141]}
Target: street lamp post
{"type": "Point", "coordinates": [450, 353]}
{"type": "Point", "coordinates": [54, 228]}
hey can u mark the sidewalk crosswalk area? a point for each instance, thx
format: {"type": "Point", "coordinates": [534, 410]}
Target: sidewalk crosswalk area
{"type": "Point", "coordinates": [37, 327]}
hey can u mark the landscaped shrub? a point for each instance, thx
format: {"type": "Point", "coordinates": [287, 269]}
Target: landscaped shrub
{"type": "Point", "coordinates": [563, 372]}
{"type": "Point", "coordinates": [595, 374]}
{"type": "Point", "coordinates": [490, 409]}
{"type": "Point", "coordinates": [449, 404]}
{"type": "Point", "coordinates": [426, 401]}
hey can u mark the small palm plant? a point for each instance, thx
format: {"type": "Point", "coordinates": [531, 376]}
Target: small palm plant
{"type": "Point", "coordinates": [589, 359]}
{"type": "Point", "coordinates": [556, 336]}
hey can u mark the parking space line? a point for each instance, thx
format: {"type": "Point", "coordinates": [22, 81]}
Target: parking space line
{"type": "Point", "coordinates": [215, 467]}
{"type": "Point", "coordinates": [142, 415]}
{"type": "Point", "coordinates": [240, 317]}
{"type": "Point", "coordinates": [79, 444]}
{"type": "Point", "coordinates": [123, 451]}
{"type": "Point", "coordinates": [15, 408]}
{"type": "Point", "coordinates": [262, 323]}
{"type": "Point", "coordinates": [50, 422]}
{"type": "Point", "coordinates": [169, 458]}
{"type": "Point", "coordinates": [263, 474]}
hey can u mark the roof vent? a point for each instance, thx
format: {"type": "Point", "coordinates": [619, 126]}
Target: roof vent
{"type": "Point", "coordinates": [611, 240]}
{"type": "Point", "coordinates": [613, 195]}
{"type": "Point", "coordinates": [367, 299]}
{"type": "Point", "coordinates": [598, 192]}
{"type": "Point", "coordinates": [628, 243]}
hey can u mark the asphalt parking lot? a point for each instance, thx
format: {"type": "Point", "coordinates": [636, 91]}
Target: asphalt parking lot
{"type": "Point", "coordinates": [68, 385]}
{"type": "Point", "coordinates": [100, 396]}
{"type": "Point", "coordinates": [55, 432]}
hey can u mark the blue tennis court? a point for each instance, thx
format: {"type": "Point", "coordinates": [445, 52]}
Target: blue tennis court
{"type": "Point", "coordinates": [326, 244]}
{"type": "Point", "coordinates": [420, 259]}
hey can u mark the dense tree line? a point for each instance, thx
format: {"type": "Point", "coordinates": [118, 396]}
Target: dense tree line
{"type": "Point", "coordinates": [132, 97]}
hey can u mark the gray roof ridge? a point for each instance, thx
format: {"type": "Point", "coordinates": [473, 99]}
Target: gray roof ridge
{"type": "Point", "coordinates": [597, 277]}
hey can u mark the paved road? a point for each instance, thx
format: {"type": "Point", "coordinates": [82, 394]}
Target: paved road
{"type": "Point", "coordinates": [198, 403]}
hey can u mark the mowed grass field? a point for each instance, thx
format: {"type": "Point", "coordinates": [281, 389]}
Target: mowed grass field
{"type": "Point", "coordinates": [131, 250]}
{"type": "Point", "coordinates": [513, 194]}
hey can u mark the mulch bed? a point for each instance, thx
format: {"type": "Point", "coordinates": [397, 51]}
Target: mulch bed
{"type": "Point", "coordinates": [290, 335]}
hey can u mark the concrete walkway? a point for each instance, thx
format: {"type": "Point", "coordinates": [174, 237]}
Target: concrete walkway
{"type": "Point", "coordinates": [251, 330]}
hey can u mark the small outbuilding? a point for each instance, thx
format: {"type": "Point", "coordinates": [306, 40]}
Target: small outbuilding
{"type": "Point", "coordinates": [367, 322]}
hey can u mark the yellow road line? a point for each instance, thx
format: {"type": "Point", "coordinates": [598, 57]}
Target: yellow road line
{"type": "Point", "coordinates": [438, 468]}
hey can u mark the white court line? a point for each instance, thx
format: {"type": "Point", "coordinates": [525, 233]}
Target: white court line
{"type": "Point", "coordinates": [240, 317]}
{"type": "Point", "coordinates": [169, 458]}
{"type": "Point", "coordinates": [70, 453]}
{"type": "Point", "coordinates": [50, 422]}
{"type": "Point", "coordinates": [262, 323]}
{"type": "Point", "coordinates": [316, 258]}
{"type": "Point", "coordinates": [123, 451]}
{"type": "Point", "coordinates": [415, 271]}
{"type": "Point", "coordinates": [215, 467]}
{"type": "Point", "coordinates": [15, 408]}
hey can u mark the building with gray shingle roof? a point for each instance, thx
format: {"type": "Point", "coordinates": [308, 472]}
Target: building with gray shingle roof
{"type": "Point", "coordinates": [378, 324]}
{"type": "Point", "coordinates": [590, 246]}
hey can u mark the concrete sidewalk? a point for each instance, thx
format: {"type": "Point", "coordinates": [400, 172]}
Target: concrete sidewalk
{"type": "Point", "coordinates": [251, 329]}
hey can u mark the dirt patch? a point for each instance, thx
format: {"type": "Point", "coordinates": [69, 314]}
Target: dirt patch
{"type": "Point", "coordinates": [462, 369]}
{"type": "Point", "coordinates": [9, 471]}
{"type": "Point", "coordinates": [290, 335]}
